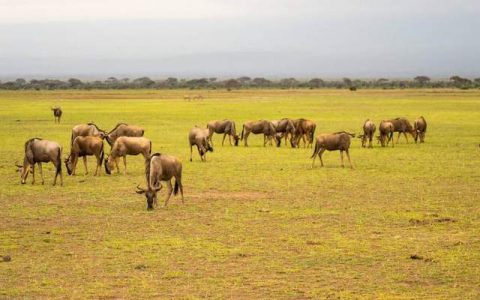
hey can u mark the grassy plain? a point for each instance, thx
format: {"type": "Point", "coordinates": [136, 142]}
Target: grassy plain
{"type": "Point", "coordinates": [258, 222]}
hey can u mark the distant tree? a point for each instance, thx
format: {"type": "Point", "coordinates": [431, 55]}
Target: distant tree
{"type": "Point", "coordinates": [232, 84]}
{"type": "Point", "coordinates": [421, 80]}
{"type": "Point", "coordinates": [74, 83]}
{"type": "Point", "coordinates": [171, 82]}
{"type": "Point", "coordinates": [316, 83]}
{"type": "Point", "coordinates": [289, 83]}
{"type": "Point", "coordinates": [347, 82]}
{"type": "Point", "coordinates": [261, 82]}
{"type": "Point", "coordinates": [143, 82]}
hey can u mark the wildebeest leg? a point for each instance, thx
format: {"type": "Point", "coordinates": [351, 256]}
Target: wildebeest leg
{"type": "Point", "coordinates": [191, 152]}
{"type": "Point", "coordinates": [247, 133]}
{"type": "Point", "coordinates": [370, 138]}
{"type": "Point", "coordinates": [125, 164]}
{"type": "Point", "coordinates": [41, 172]}
{"type": "Point", "coordinates": [405, 134]}
{"type": "Point", "coordinates": [348, 156]}
{"type": "Point", "coordinates": [116, 164]}
{"type": "Point", "coordinates": [223, 141]}
{"type": "Point", "coordinates": [304, 141]}
{"type": "Point", "coordinates": [391, 139]}
{"type": "Point", "coordinates": [33, 173]}
{"type": "Point", "coordinates": [169, 192]}
{"type": "Point", "coordinates": [398, 137]}
{"type": "Point", "coordinates": [74, 165]}
{"type": "Point", "coordinates": [341, 158]}
{"type": "Point", "coordinates": [85, 164]}
{"type": "Point", "coordinates": [99, 164]}
{"type": "Point", "coordinates": [320, 156]}
{"type": "Point", "coordinates": [180, 186]}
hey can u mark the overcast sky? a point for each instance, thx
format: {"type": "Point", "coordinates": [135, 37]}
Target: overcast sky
{"type": "Point", "coordinates": [272, 38]}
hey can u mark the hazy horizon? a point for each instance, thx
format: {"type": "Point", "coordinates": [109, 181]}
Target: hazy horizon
{"type": "Point", "coordinates": [98, 39]}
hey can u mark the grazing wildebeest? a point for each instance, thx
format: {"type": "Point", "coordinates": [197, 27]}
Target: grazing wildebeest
{"type": "Point", "coordinates": [161, 167]}
{"type": "Point", "coordinates": [420, 128]}
{"type": "Point", "coordinates": [57, 114]}
{"type": "Point", "coordinates": [122, 129]}
{"type": "Point", "coordinates": [285, 127]}
{"type": "Point", "coordinates": [127, 145]}
{"type": "Point", "coordinates": [368, 133]}
{"type": "Point", "coordinates": [84, 146]}
{"type": "Point", "coordinates": [89, 129]}
{"type": "Point", "coordinates": [259, 127]}
{"type": "Point", "coordinates": [305, 130]}
{"type": "Point", "coordinates": [386, 129]}
{"type": "Point", "coordinates": [402, 125]}
{"type": "Point", "coordinates": [331, 142]}
{"type": "Point", "coordinates": [38, 151]}
{"type": "Point", "coordinates": [227, 127]}
{"type": "Point", "coordinates": [200, 137]}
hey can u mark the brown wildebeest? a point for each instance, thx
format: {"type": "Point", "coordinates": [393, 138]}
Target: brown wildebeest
{"type": "Point", "coordinates": [38, 151]}
{"type": "Point", "coordinates": [57, 114]}
{"type": "Point", "coordinates": [187, 97]}
{"type": "Point", "coordinates": [161, 167]}
{"type": "Point", "coordinates": [127, 145]}
{"type": "Point", "coordinates": [285, 128]}
{"type": "Point", "coordinates": [84, 146]}
{"type": "Point", "coordinates": [198, 97]}
{"type": "Point", "coordinates": [402, 125]}
{"type": "Point", "coordinates": [259, 127]}
{"type": "Point", "coordinates": [89, 129]}
{"type": "Point", "coordinates": [200, 137]}
{"type": "Point", "coordinates": [122, 129]}
{"type": "Point", "coordinates": [305, 130]}
{"type": "Point", "coordinates": [227, 127]}
{"type": "Point", "coordinates": [386, 129]}
{"type": "Point", "coordinates": [331, 142]}
{"type": "Point", "coordinates": [368, 133]}
{"type": "Point", "coordinates": [420, 128]}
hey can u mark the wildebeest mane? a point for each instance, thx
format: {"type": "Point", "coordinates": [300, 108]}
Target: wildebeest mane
{"type": "Point", "coordinates": [147, 167]}
{"type": "Point", "coordinates": [27, 143]}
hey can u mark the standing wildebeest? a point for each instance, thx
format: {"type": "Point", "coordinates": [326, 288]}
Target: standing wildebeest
{"type": "Point", "coordinates": [259, 127]}
{"type": "Point", "coordinates": [368, 133]}
{"type": "Point", "coordinates": [331, 142]}
{"type": "Point", "coordinates": [386, 129]}
{"type": "Point", "coordinates": [305, 130]}
{"type": "Point", "coordinates": [161, 167]}
{"type": "Point", "coordinates": [38, 151]}
{"type": "Point", "coordinates": [286, 127]}
{"type": "Point", "coordinates": [122, 129]}
{"type": "Point", "coordinates": [126, 145]}
{"type": "Point", "coordinates": [89, 129]}
{"type": "Point", "coordinates": [84, 146]}
{"type": "Point", "coordinates": [200, 137]}
{"type": "Point", "coordinates": [225, 127]}
{"type": "Point", "coordinates": [57, 113]}
{"type": "Point", "coordinates": [420, 128]}
{"type": "Point", "coordinates": [402, 125]}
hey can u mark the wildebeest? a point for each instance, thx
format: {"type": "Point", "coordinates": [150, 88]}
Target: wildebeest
{"type": "Point", "coordinates": [259, 127]}
{"type": "Point", "coordinates": [161, 167]}
{"type": "Point", "coordinates": [305, 130]}
{"type": "Point", "coordinates": [57, 114]}
{"type": "Point", "coordinates": [402, 125]}
{"type": "Point", "coordinates": [368, 133]}
{"type": "Point", "coordinates": [197, 97]}
{"type": "Point", "coordinates": [227, 127]}
{"type": "Point", "coordinates": [89, 129]}
{"type": "Point", "coordinates": [38, 151]}
{"type": "Point", "coordinates": [122, 129]}
{"type": "Point", "coordinates": [285, 127]}
{"type": "Point", "coordinates": [127, 145]}
{"type": "Point", "coordinates": [331, 142]}
{"type": "Point", "coordinates": [200, 137]}
{"type": "Point", "coordinates": [84, 146]}
{"type": "Point", "coordinates": [420, 129]}
{"type": "Point", "coordinates": [386, 129]}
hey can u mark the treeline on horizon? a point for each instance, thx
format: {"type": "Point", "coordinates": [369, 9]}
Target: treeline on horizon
{"type": "Point", "coordinates": [243, 82]}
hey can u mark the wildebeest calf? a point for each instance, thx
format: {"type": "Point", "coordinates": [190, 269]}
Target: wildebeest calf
{"type": "Point", "coordinates": [38, 151]}
{"type": "Point", "coordinates": [331, 142]}
{"type": "Point", "coordinates": [126, 145]}
{"type": "Point", "coordinates": [161, 167]}
{"type": "Point", "coordinates": [84, 146]}
{"type": "Point", "coordinates": [200, 137]}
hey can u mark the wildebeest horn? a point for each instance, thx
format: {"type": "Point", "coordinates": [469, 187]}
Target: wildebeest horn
{"type": "Point", "coordinates": [18, 165]}
{"type": "Point", "coordinates": [140, 190]}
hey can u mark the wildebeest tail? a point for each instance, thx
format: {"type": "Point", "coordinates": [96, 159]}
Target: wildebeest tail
{"type": "Point", "coordinates": [150, 150]}
{"type": "Point", "coordinates": [59, 162]}
{"type": "Point", "coordinates": [315, 150]}
{"type": "Point", "coordinates": [175, 189]}
{"type": "Point", "coordinates": [312, 134]}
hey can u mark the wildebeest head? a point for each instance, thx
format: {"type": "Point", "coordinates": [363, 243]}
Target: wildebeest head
{"type": "Point", "coordinates": [109, 165]}
{"type": "Point", "coordinates": [208, 145]}
{"type": "Point", "coordinates": [236, 138]}
{"type": "Point", "coordinates": [23, 170]}
{"type": "Point", "coordinates": [278, 138]}
{"type": "Point", "coordinates": [69, 165]}
{"type": "Point", "coordinates": [150, 194]}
